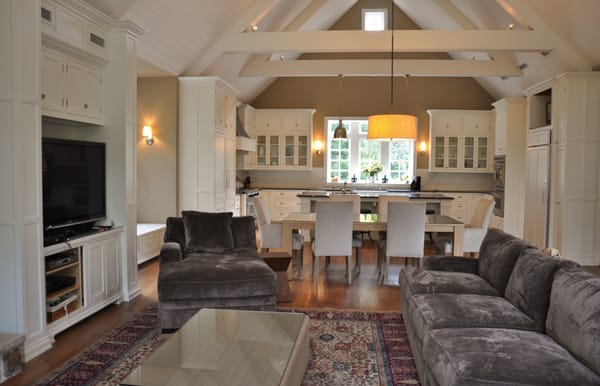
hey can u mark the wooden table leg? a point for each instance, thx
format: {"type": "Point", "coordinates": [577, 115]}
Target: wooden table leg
{"type": "Point", "coordinates": [458, 240]}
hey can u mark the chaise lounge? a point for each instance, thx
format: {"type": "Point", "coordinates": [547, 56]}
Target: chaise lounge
{"type": "Point", "coordinates": [211, 260]}
{"type": "Point", "coordinates": [512, 317]}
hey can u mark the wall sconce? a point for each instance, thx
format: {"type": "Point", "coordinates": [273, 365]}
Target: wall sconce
{"type": "Point", "coordinates": [318, 147]}
{"type": "Point", "coordinates": [423, 147]}
{"type": "Point", "coordinates": [147, 133]}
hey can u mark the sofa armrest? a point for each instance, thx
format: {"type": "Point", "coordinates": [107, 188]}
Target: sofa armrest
{"type": "Point", "coordinates": [170, 252]}
{"type": "Point", "coordinates": [451, 264]}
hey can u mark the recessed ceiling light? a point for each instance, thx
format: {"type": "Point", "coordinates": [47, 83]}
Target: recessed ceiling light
{"type": "Point", "coordinates": [254, 27]}
{"type": "Point", "coordinates": [511, 26]}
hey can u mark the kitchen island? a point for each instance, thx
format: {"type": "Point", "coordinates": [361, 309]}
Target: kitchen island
{"type": "Point", "coordinates": [368, 198]}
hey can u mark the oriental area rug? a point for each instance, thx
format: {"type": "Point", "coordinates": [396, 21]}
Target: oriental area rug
{"type": "Point", "coordinates": [348, 348]}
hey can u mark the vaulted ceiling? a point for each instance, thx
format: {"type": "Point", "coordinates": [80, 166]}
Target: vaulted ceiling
{"type": "Point", "coordinates": [505, 45]}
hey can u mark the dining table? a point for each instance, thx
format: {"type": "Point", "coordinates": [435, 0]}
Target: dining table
{"type": "Point", "coordinates": [370, 222]}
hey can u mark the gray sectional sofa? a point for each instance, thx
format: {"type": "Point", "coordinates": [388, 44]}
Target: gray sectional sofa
{"type": "Point", "coordinates": [512, 317]}
{"type": "Point", "coordinates": [210, 260]}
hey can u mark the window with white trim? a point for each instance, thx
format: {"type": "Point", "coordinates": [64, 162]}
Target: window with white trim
{"type": "Point", "coordinates": [347, 158]}
{"type": "Point", "coordinates": [374, 19]}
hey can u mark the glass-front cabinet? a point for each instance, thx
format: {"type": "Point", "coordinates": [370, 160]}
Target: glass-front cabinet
{"type": "Point", "coordinates": [461, 140]}
{"type": "Point", "coordinates": [267, 150]}
{"type": "Point", "coordinates": [445, 152]}
{"type": "Point", "coordinates": [283, 139]}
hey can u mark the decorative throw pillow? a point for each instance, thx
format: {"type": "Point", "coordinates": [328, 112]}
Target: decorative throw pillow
{"type": "Point", "coordinates": [207, 232]}
{"type": "Point", "coordinates": [243, 231]}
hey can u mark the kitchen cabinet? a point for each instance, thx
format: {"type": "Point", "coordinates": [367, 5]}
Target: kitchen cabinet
{"type": "Point", "coordinates": [207, 144]}
{"type": "Point", "coordinates": [71, 89]}
{"type": "Point", "coordinates": [511, 141]}
{"type": "Point", "coordinates": [461, 141]}
{"type": "Point", "coordinates": [283, 140]}
{"type": "Point", "coordinates": [568, 104]}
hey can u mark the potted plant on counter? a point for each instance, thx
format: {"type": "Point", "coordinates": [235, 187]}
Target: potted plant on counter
{"type": "Point", "coordinates": [372, 170]}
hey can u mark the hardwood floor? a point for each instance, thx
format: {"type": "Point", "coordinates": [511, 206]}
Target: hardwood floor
{"type": "Point", "coordinates": [331, 291]}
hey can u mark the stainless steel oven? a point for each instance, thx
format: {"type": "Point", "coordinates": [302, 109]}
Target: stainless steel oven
{"type": "Point", "coordinates": [499, 170]}
{"type": "Point", "coordinates": [499, 179]}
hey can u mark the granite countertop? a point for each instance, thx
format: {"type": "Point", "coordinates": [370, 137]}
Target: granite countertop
{"type": "Point", "coordinates": [376, 193]}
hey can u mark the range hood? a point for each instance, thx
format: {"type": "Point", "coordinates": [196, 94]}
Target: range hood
{"type": "Point", "coordinates": [243, 142]}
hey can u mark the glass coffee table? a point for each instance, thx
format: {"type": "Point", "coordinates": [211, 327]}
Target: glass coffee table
{"type": "Point", "coordinates": [230, 347]}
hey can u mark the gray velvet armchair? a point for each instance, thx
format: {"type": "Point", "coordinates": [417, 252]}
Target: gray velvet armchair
{"type": "Point", "coordinates": [211, 260]}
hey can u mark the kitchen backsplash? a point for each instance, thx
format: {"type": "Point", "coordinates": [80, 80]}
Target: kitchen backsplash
{"type": "Point", "coordinates": [476, 182]}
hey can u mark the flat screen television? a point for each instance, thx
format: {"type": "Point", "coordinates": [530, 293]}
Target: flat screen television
{"type": "Point", "coordinates": [73, 182]}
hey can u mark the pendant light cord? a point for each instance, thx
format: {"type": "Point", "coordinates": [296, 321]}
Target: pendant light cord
{"type": "Point", "coordinates": [392, 63]}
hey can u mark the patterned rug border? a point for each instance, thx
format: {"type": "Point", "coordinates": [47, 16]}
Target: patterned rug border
{"type": "Point", "coordinates": [113, 356]}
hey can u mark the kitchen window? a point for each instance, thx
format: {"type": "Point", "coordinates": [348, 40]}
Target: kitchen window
{"type": "Point", "coordinates": [346, 158]}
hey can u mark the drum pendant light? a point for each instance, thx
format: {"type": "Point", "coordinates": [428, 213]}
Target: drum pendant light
{"type": "Point", "coordinates": [390, 127]}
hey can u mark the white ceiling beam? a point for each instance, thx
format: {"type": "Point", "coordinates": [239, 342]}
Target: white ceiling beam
{"type": "Point", "coordinates": [252, 15]}
{"type": "Point", "coordinates": [523, 12]}
{"type": "Point", "coordinates": [379, 67]}
{"type": "Point", "coordinates": [405, 40]}
{"type": "Point", "coordinates": [465, 23]}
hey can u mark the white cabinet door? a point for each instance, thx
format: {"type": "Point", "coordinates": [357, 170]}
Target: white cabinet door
{"type": "Point", "coordinates": [71, 89]}
{"type": "Point", "coordinates": [93, 264]}
{"type": "Point", "coordinates": [536, 195]}
{"type": "Point", "coordinates": [112, 268]}
{"type": "Point", "coordinates": [444, 152]}
{"type": "Point", "coordinates": [103, 271]}
{"type": "Point", "coordinates": [52, 81]}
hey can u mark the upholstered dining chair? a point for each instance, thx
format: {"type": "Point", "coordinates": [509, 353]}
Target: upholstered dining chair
{"type": "Point", "coordinates": [356, 236]}
{"type": "Point", "coordinates": [271, 233]}
{"type": "Point", "coordinates": [333, 234]}
{"type": "Point", "coordinates": [382, 215]}
{"type": "Point", "coordinates": [405, 232]}
{"type": "Point", "coordinates": [477, 228]}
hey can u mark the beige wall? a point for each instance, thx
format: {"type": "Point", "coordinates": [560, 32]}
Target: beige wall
{"type": "Point", "coordinates": [157, 164]}
{"type": "Point", "coordinates": [363, 96]}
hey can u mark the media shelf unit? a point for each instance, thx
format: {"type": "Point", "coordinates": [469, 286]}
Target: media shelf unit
{"type": "Point", "coordinates": [94, 262]}
{"type": "Point", "coordinates": [63, 271]}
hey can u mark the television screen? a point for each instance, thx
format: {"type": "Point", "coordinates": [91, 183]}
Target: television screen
{"type": "Point", "coordinates": [73, 182]}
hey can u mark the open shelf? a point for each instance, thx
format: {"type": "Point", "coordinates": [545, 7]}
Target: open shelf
{"type": "Point", "coordinates": [63, 271]}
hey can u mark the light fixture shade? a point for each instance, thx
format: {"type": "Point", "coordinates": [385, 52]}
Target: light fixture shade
{"type": "Point", "coordinates": [389, 127]}
{"type": "Point", "coordinates": [340, 132]}
{"type": "Point", "coordinates": [147, 131]}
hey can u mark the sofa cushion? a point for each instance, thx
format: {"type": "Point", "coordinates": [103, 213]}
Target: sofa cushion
{"type": "Point", "coordinates": [531, 281]}
{"type": "Point", "coordinates": [175, 231]}
{"type": "Point", "coordinates": [574, 314]}
{"type": "Point", "coordinates": [436, 311]}
{"type": "Point", "coordinates": [484, 356]}
{"type": "Point", "coordinates": [243, 231]}
{"type": "Point", "coordinates": [427, 282]}
{"type": "Point", "coordinates": [207, 231]}
{"type": "Point", "coordinates": [497, 256]}
{"type": "Point", "coordinates": [208, 275]}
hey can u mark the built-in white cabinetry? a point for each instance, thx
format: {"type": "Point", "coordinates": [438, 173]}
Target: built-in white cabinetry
{"type": "Point", "coordinates": [283, 140]}
{"type": "Point", "coordinates": [97, 273]}
{"type": "Point", "coordinates": [282, 202]}
{"type": "Point", "coordinates": [511, 142]}
{"type": "Point", "coordinates": [462, 206]}
{"type": "Point", "coordinates": [102, 258]}
{"type": "Point", "coordinates": [461, 141]}
{"type": "Point", "coordinates": [63, 25]}
{"type": "Point", "coordinates": [71, 89]}
{"type": "Point", "coordinates": [569, 104]}
{"type": "Point", "coordinates": [207, 144]}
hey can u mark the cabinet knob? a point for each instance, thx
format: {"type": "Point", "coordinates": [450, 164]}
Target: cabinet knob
{"type": "Point", "coordinates": [85, 105]}
{"type": "Point", "coordinates": [43, 96]}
